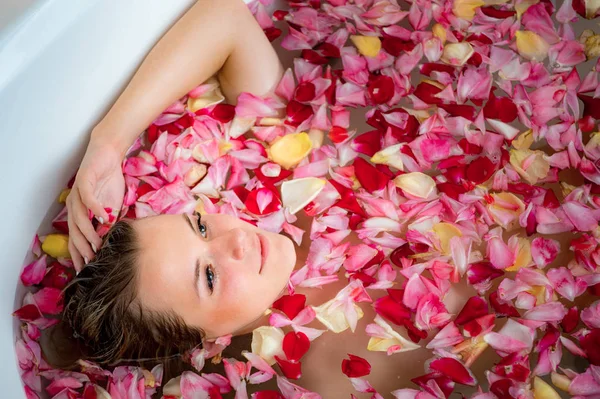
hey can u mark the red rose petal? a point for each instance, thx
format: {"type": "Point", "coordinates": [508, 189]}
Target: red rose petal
{"type": "Point", "coordinates": [224, 113]}
{"type": "Point", "coordinates": [291, 305]}
{"type": "Point", "coordinates": [502, 309]}
{"type": "Point", "coordinates": [500, 108]}
{"type": "Point", "coordinates": [493, 12]}
{"type": "Point", "coordinates": [454, 370]}
{"type": "Point", "coordinates": [591, 106]}
{"type": "Point", "coordinates": [590, 344]}
{"type": "Point", "coordinates": [253, 207]}
{"type": "Point", "coordinates": [295, 345]}
{"type": "Point", "coordinates": [367, 143]}
{"type": "Point", "coordinates": [58, 276]}
{"type": "Point", "coordinates": [290, 370]}
{"type": "Point", "coordinates": [391, 310]}
{"type": "Point", "coordinates": [368, 176]}
{"type": "Point", "coordinates": [28, 313]}
{"type": "Point", "coordinates": [380, 88]}
{"type": "Point", "coordinates": [474, 308]}
{"type": "Point", "coordinates": [355, 366]}
{"type": "Point", "coordinates": [571, 320]}
{"type": "Point", "coordinates": [482, 272]}
{"type": "Point", "coordinates": [426, 92]}
{"type": "Point", "coordinates": [480, 170]}
{"type": "Point", "coordinates": [313, 57]}
{"type": "Point", "coordinates": [402, 252]}
{"type": "Point", "coordinates": [305, 92]}
{"type": "Point", "coordinates": [298, 112]}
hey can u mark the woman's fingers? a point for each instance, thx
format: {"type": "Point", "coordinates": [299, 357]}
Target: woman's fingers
{"type": "Point", "coordinates": [76, 257]}
{"type": "Point", "coordinates": [86, 191]}
{"type": "Point", "coordinates": [84, 225]}
{"type": "Point", "coordinates": [79, 246]}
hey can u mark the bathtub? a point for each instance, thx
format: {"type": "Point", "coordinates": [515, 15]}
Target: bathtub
{"type": "Point", "coordinates": [62, 65]}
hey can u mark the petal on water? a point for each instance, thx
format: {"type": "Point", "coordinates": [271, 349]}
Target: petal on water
{"type": "Point", "coordinates": [297, 193]}
{"type": "Point", "coordinates": [369, 46]}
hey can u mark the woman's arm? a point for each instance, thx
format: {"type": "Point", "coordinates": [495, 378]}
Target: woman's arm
{"type": "Point", "coordinates": [212, 36]}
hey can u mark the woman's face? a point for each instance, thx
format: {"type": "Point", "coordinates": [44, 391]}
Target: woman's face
{"type": "Point", "coordinates": [219, 273]}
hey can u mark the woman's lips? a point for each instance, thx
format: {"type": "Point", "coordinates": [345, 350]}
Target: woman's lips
{"type": "Point", "coordinates": [264, 251]}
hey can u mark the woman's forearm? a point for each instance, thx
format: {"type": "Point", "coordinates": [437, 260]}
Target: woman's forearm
{"type": "Point", "coordinates": [193, 49]}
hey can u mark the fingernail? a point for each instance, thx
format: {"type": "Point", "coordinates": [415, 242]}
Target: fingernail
{"type": "Point", "coordinates": [101, 220]}
{"type": "Point", "coordinates": [94, 248]}
{"type": "Point", "coordinates": [86, 260]}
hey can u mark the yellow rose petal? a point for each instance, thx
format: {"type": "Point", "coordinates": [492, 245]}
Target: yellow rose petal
{"type": "Point", "coordinates": [465, 9]}
{"type": "Point", "coordinates": [56, 245]}
{"type": "Point", "coordinates": [389, 156]}
{"type": "Point", "coordinates": [392, 339]}
{"type": "Point", "coordinates": [560, 381]}
{"type": "Point", "coordinates": [62, 198]}
{"type": "Point", "coordinates": [195, 174]}
{"type": "Point", "coordinates": [416, 184]}
{"type": "Point", "coordinates": [224, 147]}
{"type": "Point", "coordinates": [531, 45]}
{"type": "Point", "coordinates": [440, 32]}
{"type": "Point", "coordinates": [543, 390]}
{"type": "Point", "coordinates": [445, 232]}
{"type": "Point", "coordinates": [369, 46]}
{"type": "Point", "coordinates": [523, 141]}
{"type": "Point", "coordinates": [539, 292]}
{"type": "Point", "coordinates": [522, 6]}
{"type": "Point", "coordinates": [592, 46]}
{"type": "Point", "coordinates": [523, 258]}
{"type": "Point", "coordinates": [506, 209]}
{"type": "Point", "coordinates": [531, 165]}
{"type": "Point", "coordinates": [290, 149]}
{"type": "Point", "coordinates": [457, 54]}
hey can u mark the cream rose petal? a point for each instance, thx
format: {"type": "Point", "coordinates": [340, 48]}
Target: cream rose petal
{"type": "Point", "coordinates": [389, 339]}
{"type": "Point", "coordinates": [369, 46]}
{"type": "Point", "coordinates": [335, 319]}
{"type": "Point", "coordinates": [210, 97]}
{"type": "Point", "coordinates": [290, 149]}
{"type": "Point", "coordinates": [267, 342]}
{"type": "Point", "coordinates": [297, 193]}
{"type": "Point", "coordinates": [416, 184]}
{"type": "Point", "coordinates": [457, 54]}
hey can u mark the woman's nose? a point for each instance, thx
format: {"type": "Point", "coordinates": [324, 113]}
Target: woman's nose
{"type": "Point", "coordinates": [238, 242]}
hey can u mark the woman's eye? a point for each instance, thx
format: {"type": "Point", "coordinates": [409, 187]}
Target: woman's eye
{"type": "Point", "coordinates": [210, 278]}
{"type": "Point", "coordinates": [201, 226]}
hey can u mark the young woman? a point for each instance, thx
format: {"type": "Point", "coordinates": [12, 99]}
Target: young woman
{"type": "Point", "coordinates": [155, 287]}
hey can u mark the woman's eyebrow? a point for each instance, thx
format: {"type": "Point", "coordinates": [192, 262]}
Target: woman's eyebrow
{"type": "Point", "coordinates": [186, 217]}
{"type": "Point", "coordinates": [197, 267]}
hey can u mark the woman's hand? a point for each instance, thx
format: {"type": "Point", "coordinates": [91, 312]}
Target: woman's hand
{"type": "Point", "coordinates": [99, 184]}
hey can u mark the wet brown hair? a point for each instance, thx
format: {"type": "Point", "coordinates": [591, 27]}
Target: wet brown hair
{"type": "Point", "coordinates": [104, 322]}
{"type": "Point", "coordinates": [104, 313]}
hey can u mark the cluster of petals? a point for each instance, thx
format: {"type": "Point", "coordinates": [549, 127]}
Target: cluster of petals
{"type": "Point", "coordinates": [476, 115]}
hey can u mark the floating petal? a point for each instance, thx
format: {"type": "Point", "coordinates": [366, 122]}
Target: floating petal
{"type": "Point", "coordinates": [297, 193]}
